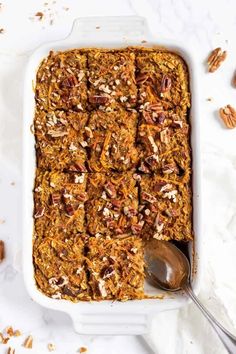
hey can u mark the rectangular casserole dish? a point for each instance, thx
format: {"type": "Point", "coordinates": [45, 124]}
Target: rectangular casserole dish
{"type": "Point", "coordinates": [107, 317]}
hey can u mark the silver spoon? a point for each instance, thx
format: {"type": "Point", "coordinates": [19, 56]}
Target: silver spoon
{"type": "Point", "coordinates": [169, 269]}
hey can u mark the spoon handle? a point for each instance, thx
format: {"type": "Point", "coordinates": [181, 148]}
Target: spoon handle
{"type": "Point", "coordinates": [226, 337]}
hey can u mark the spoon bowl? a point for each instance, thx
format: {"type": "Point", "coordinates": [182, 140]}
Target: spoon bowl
{"type": "Point", "coordinates": [169, 269]}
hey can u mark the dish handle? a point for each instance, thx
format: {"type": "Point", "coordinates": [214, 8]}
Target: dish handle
{"type": "Point", "coordinates": [111, 323]}
{"type": "Point", "coordinates": [110, 29]}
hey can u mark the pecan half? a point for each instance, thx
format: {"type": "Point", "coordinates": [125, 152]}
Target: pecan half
{"type": "Point", "coordinates": [165, 83]}
{"type": "Point", "coordinates": [2, 251]}
{"type": "Point", "coordinates": [215, 59]}
{"type": "Point", "coordinates": [228, 116]}
{"type": "Point", "coordinates": [69, 81]}
{"type": "Point", "coordinates": [98, 99]}
{"type": "Point", "coordinates": [157, 107]}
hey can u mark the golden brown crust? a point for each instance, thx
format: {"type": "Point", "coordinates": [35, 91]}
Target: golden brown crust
{"type": "Point", "coordinates": [112, 145]}
{"type": "Point", "coordinates": [112, 79]}
{"type": "Point", "coordinates": [113, 168]}
{"type": "Point", "coordinates": [59, 203]}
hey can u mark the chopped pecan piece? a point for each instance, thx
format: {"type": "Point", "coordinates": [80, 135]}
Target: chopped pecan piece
{"type": "Point", "coordinates": [82, 196]}
{"type": "Point", "coordinates": [228, 116]}
{"type": "Point", "coordinates": [143, 168]}
{"type": "Point", "coordinates": [2, 251]}
{"type": "Point", "coordinates": [116, 203]}
{"type": "Point", "coordinates": [160, 118]}
{"type": "Point", "coordinates": [137, 228]}
{"type": "Point", "coordinates": [39, 211]}
{"type": "Point", "coordinates": [165, 83]}
{"type": "Point", "coordinates": [110, 189]}
{"type": "Point", "coordinates": [170, 168]}
{"type": "Point", "coordinates": [107, 272]}
{"type": "Point", "coordinates": [129, 211]}
{"type": "Point", "coordinates": [147, 117]}
{"type": "Point", "coordinates": [57, 133]}
{"type": "Point", "coordinates": [176, 124]}
{"type": "Point", "coordinates": [147, 197]}
{"type": "Point", "coordinates": [215, 59]}
{"type": "Point", "coordinates": [28, 343]}
{"type": "Point", "coordinates": [69, 209]}
{"type": "Point", "coordinates": [56, 198]}
{"type": "Point", "coordinates": [141, 78]}
{"type": "Point", "coordinates": [78, 167]}
{"type": "Point", "coordinates": [98, 99]}
{"type": "Point", "coordinates": [152, 160]}
{"type": "Point", "coordinates": [164, 136]}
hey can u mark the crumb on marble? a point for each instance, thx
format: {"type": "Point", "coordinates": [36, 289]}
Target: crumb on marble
{"type": "Point", "coordinates": [39, 15]}
{"type": "Point", "coordinates": [83, 350]}
{"type": "Point", "coordinates": [11, 350]}
{"type": "Point", "coordinates": [2, 221]}
{"type": "Point", "coordinates": [28, 343]}
{"type": "Point", "coordinates": [2, 251]}
{"type": "Point", "coordinates": [2, 30]}
{"type": "Point", "coordinates": [51, 347]}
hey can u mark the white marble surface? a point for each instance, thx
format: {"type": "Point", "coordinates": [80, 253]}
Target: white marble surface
{"type": "Point", "coordinates": [203, 24]}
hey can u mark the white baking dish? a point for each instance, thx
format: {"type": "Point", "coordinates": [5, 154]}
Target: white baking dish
{"type": "Point", "coordinates": [106, 317]}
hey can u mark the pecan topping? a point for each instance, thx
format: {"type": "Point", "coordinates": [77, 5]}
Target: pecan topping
{"type": "Point", "coordinates": [165, 83]}
{"type": "Point", "coordinates": [110, 189]}
{"type": "Point", "coordinates": [152, 160]}
{"type": "Point", "coordinates": [129, 211]}
{"type": "Point", "coordinates": [57, 133]}
{"type": "Point", "coordinates": [143, 168]}
{"type": "Point", "coordinates": [176, 124]}
{"type": "Point", "coordinates": [170, 168]}
{"type": "Point", "coordinates": [228, 116]}
{"type": "Point", "coordinates": [82, 196]}
{"type": "Point", "coordinates": [39, 211]}
{"type": "Point", "coordinates": [164, 136]}
{"type": "Point", "coordinates": [28, 343]}
{"type": "Point", "coordinates": [69, 209]}
{"type": "Point", "coordinates": [158, 186]}
{"type": "Point", "coordinates": [56, 197]}
{"type": "Point", "coordinates": [116, 203]}
{"type": "Point", "coordinates": [137, 228]}
{"type": "Point", "coordinates": [77, 167]}
{"type": "Point", "coordinates": [147, 197]}
{"type": "Point", "coordinates": [67, 291]}
{"type": "Point", "coordinates": [157, 107]}
{"type": "Point", "coordinates": [141, 78]}
{"type": "Point", "coordinates": [160, 118]}
{"type": "Point", "coordinates": [69, 81]}
{"type": "Point", "coordinates": [107, 272]}
{"type": "Point", "coordinates": [147, 117]}
{"type": "Point", "coordinates": [98, 99]}
{"type": "Point", "coordinates": [2, 251]}
{"type": "Point", "coordinates": [215, 59]}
